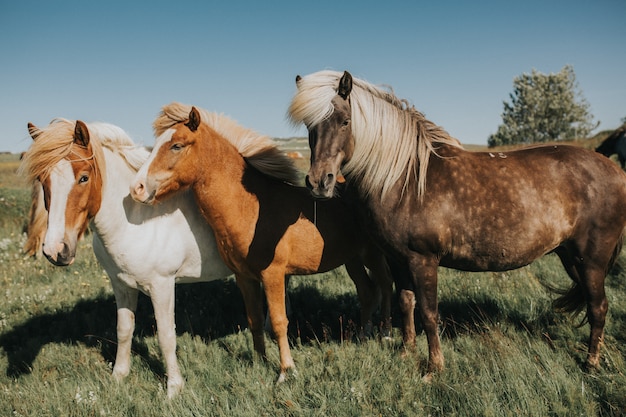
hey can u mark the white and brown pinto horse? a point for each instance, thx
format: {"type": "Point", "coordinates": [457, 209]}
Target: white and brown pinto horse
{"type": "Point", "coordinates": [429, 202]}
{"type": "Point", "coordinates": [85, 170]}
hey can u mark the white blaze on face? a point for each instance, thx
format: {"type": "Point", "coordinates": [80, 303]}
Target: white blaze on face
{"type": "Point", "coordinates": [61, 183]}
{"type": "Point", "coordinates": [139, 188]}
{"type": "Point", "coordinates": [142, 174]}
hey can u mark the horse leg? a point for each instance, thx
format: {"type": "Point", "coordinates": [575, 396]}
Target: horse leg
{"type": "Point", "coordinates": [597, 307]}
{"type": "Point", "coordinates": [407, 306]}
{"type": "Point", "coordinates": [588, 287]}
{"type": "Point", "coordinates": [424, 272]}
{"type": "Point", "coordinates": [406, 300]}
{"type": "Point", "coordinates": [126, 302]}
{"type": "Point", "coordinates": [268, 323]}
{"type": "Point", "coordinates": [274, 285]}
{"type": "Point", "coordinates": [367, 291]}
{"type": "Point", "coordinates": [381, 275]}
{"type": "Point", "coordinates": [253, 299]}
{"type": "Point", "coordinates": [162, 295]}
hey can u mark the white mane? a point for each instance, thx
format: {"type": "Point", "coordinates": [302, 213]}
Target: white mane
{"type": "Point", "coordinates": [393, 141]}
{"type": "Point", "coordinates": [117, 141]}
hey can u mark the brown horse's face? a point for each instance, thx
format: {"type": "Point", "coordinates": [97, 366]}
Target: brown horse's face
{"type": "Point", "coordinates": [72, 196]}
{"type": "Point", "coordinates": [171, 165]}
{"type": "Point", "coordinates": [331, 143]}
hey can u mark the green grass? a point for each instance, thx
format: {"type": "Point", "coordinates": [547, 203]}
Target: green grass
{"type": "Point", "coordinates": [508, 353]}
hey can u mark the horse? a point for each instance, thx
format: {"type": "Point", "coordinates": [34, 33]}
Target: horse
{"type": "Point", "coordinates": [265, 227]}
{"type": "Point", "coordinates": [429, 202]}
{"type": "Point", "coordinates": [615, 143]}
{"type": "Point", "coordinates": [80, 174]}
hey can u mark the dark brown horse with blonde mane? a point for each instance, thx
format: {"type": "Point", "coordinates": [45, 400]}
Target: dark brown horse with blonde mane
{"type": "Point", "coordinates": [429, 202]}
{"type": "Point", "coordinates": [264, 226]}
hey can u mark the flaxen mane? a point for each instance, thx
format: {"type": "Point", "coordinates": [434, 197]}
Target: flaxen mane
{"type": "Point", "coordinates": [260, 151]}
{"type": "Point", "coordinates": [380, 120]}
{"type": "Point", "coordinates": [56, 142]}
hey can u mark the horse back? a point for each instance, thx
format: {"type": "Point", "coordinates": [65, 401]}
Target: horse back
{"type": "Point", "coordinates": [502, 210]}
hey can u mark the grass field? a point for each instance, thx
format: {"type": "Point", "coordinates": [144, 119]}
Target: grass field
{"type": "Point", "coordinates": [507, 352]}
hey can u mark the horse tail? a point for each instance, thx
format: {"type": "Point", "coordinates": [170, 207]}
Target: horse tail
{"type": "Point", "coordinates": [37, 222]}
{"type": "Point", "coordinates": [572, 300]}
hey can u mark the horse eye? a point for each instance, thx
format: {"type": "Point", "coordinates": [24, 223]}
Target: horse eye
{"type": "Point", "coordinates": [176, 147]}
{"type": "Point", "coordinates": [83, 179]}
{"type": "Point", "coordinates": [346, 122]}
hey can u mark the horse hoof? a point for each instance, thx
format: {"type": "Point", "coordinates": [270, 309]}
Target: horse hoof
{"type": "Point", "coordinates": [428, 378]}
{"type": "Point", "coordinates": [281, 378]}
{"type": "Point", "coordinates": [283, 375]}
{"type": "Point", "coordinates": [174, 388]}
{"type": "Point", "coordinates": [119, 375]}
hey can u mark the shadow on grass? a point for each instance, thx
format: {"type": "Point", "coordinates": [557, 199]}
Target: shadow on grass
{"type": "Point", "coordinates": [215, 309]}
{"type": "Point", "coordinates": [479, 316]}
{"type": "Point", "coordinates": [211, 310]}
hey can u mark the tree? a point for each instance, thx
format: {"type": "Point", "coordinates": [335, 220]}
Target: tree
{"type": "Point", "coordinates": [544, 108]}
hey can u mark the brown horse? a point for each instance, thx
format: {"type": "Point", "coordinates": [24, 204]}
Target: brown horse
{"type": "Point", "coordinates": [265, 227]}
{"type": "Point", "coordinates": [431, 203]}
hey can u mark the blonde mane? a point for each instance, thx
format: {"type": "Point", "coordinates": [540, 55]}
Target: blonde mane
{"type": "Point", "coordinates": [56, 142]}
{"type": "Point", "coordinates": [260, 151]}
{"type": "Point", "coordinates": [381, 122]}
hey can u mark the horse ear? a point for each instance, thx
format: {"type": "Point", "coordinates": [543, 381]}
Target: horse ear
{"type": "Point", "coordinates": [345, 85]}
{"type": "Point", "coordinates": [81, 134]}
{"type": "Point", "coordinates": [33, 131]}
{"type": "Point", "coordinates": [194, 119]}
{"type": "Point", "coordinates": [298, 78]}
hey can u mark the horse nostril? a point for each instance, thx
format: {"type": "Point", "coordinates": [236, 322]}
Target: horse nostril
{"type": "Point", "coordinates": [139, 188]}
{"type": "Point", "coordinates": [326, 182]}
{"type": "Point", "coordinates": [65, 252]}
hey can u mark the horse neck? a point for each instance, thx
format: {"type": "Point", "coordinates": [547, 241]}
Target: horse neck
{"type": "Point", "coordinates": [117, 179]}
{"type": "Point", "coordinates": [220, 170]}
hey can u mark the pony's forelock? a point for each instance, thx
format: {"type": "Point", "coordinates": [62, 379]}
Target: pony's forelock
{"type": "Point", "coordinates": [53, 143]}
{"type": "Point", "coordinates": [312, 103]}
{"type": "Point", "coordinates": [56, 142]}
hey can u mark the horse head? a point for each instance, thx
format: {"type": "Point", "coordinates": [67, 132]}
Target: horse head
{"type": "Point", "coordinates": [63, 161]}
{"type": "Point", "coordinates": [331, 142]}
{"type": "Point", "coordinates": [170, 166]}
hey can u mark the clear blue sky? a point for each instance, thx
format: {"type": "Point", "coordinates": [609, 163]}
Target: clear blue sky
{"type": "Point", "coordinates": [120, 61]}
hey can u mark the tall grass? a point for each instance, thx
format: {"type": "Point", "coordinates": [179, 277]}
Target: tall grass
{"type": "Point", "coordinates": [507, 352]}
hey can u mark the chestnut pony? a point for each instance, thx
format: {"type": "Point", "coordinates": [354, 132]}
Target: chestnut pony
{"type": "Point", "coordinates": [264, 226]}
{"type": "Point", "coordinates": [429, 202]}
{"type": "Point", "coordinates": [82, 173]}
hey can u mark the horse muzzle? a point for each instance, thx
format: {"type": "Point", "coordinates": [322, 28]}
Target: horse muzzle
{"type": "Point", "coordinates": [323, 189]}
{"type": "Point", "coordinates": [60, 254]}
{"type": "Point", "coordinates": [139, 193]}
